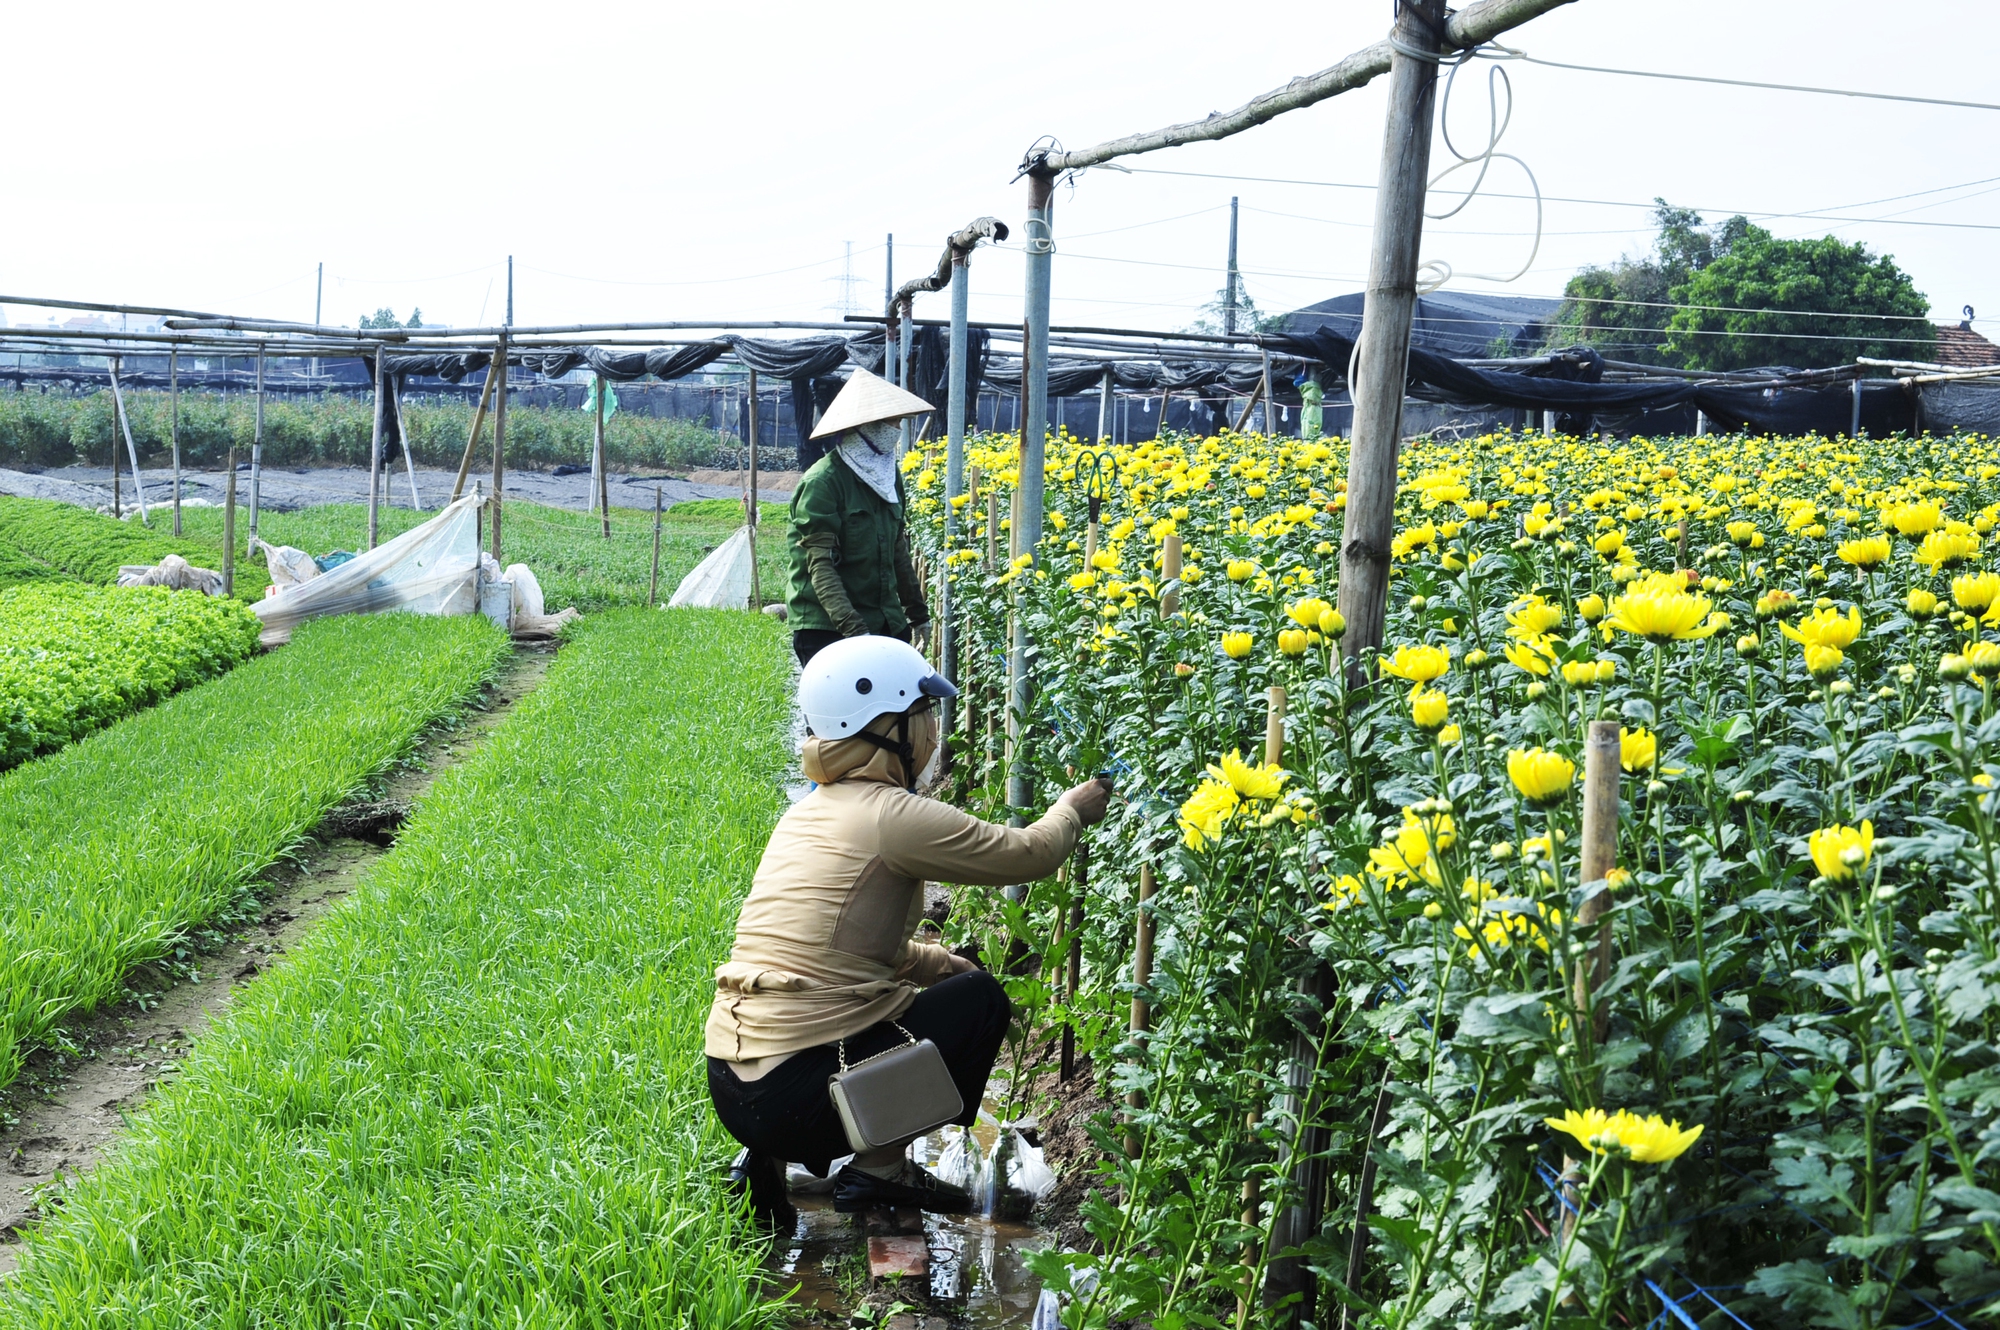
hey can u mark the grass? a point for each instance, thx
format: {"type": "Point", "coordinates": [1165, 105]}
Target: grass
{"type": "Point", "coordinates": [567, 550]}
{"type": "Point", "coordinates": [475, 1096]}
{"type": "Point", "coordinates": [113, 847]}
{"type": "Point", "coordinates": [74, 657]}
{"type": "Point", "coordinates": [89, 547]}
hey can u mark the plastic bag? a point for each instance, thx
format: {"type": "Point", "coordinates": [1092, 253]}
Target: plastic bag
{"type": "Point", "coordinates": [288, 566]}
{"type": "Point", "coordinates": [431, 569]}
{"type": "Point", "coordinates": [722, 580]}
{"type": "Point", "coordinates": [173, 571]}
{"type": "Point", "coordinates": [958, 1163]}
{"type": "Point", "coordinates": [527, 591]}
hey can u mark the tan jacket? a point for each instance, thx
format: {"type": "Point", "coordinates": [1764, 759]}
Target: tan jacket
{"type": "Point", "coordinates": [824, 943]}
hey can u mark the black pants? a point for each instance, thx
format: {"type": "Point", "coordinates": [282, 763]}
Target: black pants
{"type": "Point", "coordinates": [789, 1114]}
{"type": "Point", "coordinates": [809, 642]}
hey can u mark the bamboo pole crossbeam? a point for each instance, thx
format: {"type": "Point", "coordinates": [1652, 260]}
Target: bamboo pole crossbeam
{"type": "Point", "coordinates": [493, 373]}
{"type": "Point", "coordinates": [1470, 27]}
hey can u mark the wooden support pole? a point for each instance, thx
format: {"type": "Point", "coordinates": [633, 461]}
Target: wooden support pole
{"type": "Point", "coordinates": [229, 524]}
{"type": "Point", "coordinates": [117, 499]}
{"type": "Point", "coordinates": [1073, 970]}
{"type": "Point", "coordinates": [374, 457]}
{"type": "Point", "coordinates": [1253, 1198]}
{"type": "Point", "coordinates": [1170, 572]}
{"type": "Point", "coordinates": [1381, 359]}
{"type": "Point", "coordinates": [1256, 396]}
{"type": "Point", "coordinates": [499, 445]}
{"type": "Point", "coordinates": [992, 531]}
{"type": "Point", "coordinates": [653, 587]}
{"type": "Point", "coordinates": [478, 419]}
{"type": "Point", "coordinates": [174, 428]}
{"type": "Point", "coordinates": [750, 424]}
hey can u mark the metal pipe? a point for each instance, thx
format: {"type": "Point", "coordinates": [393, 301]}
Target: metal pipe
{"type": "Point", "coordinates": [1854, 429]}
{"type": "Point", "coordinates": [1027, 525]}
{"type": "Point", "coordinates": [499, 444]}
{"type": "Point", "coordinates": [903, 366]}
{"type": "Point", "coordinates": [1104, 405]}
{"type": "Point", "coordinates": [954, 472]}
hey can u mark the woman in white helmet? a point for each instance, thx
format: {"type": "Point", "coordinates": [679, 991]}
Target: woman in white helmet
{"type": "Point", "coordinates": [847, 548]}
{"type": "Point", "coordinates": [825, 962]}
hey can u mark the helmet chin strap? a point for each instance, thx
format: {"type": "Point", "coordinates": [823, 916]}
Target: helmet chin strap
{"type": "Point", "coordinates": [902, 748]}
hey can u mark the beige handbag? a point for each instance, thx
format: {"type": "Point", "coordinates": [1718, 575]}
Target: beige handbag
{"type": "Point", "coordinates": [896, 1095]}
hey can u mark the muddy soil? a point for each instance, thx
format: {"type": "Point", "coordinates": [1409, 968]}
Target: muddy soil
{"type": "Point", "coordinates": [69, 1106]}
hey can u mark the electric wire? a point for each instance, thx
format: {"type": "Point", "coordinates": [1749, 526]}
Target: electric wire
{"type": "Point", "coordinates": [1509, 53]}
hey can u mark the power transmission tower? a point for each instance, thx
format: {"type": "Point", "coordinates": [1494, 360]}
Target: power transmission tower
{"type": "Point", "coordinates": [845, 303]}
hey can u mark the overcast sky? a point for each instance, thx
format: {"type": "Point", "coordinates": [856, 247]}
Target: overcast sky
{"type": "Point", "coordinates": [678, 161]}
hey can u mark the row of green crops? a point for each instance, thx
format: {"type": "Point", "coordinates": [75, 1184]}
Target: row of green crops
{"type": "Point", "coordinates": [45, 538]}
{"type": "Point", "coordinates": [53, 429]}
{"type": "Point", "coordinates": [475, 1096]}
{"type": "Point", "coordinates": [1781, 1096]}
{"type": "Point", "coordinates": [74, 657]}
{"type": "Point", "coordinates": [114, 846]}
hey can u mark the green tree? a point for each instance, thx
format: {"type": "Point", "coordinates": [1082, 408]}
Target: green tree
{"type": "Point", "coordinates": [1737, 308]}
{"type": "Point", "coordinates": [381, 318]}
{"type": "Point", "coordinates": [1620, 309]}
{"type": "Point", "coordinates": [416, 318]}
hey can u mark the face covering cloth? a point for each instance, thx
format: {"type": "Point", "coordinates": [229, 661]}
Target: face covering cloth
{"type": "Point", "coordinates": [873, 461]}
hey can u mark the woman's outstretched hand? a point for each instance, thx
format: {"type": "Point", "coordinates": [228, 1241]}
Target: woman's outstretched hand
{"type": "Point", "coordinates": [1091, 800]}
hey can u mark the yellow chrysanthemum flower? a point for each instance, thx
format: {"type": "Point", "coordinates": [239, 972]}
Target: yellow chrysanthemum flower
{"type": "Point", "coordinates": [1418, 664]}
{"type": "Point", "coordinates": [1839, 852]}
{"type": "Point", "coordinates": [1542, 777]}
{"type": "Point", "coordinates": [1638, 749]}
{"type": "Point", "coordinates": [1237, 645]}
{"type": "Point", "coordinates": [1865, 552]}
{"type": "Point", "coordinates": [1826, 628]}
{"type": "Point", "coordinates": [1429, 708]}
{"type": "Point", "coordinates": [1659, 608]}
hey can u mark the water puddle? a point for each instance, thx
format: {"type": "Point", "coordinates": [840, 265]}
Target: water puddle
{"type": "Point", "coordinates": [978, 1275]}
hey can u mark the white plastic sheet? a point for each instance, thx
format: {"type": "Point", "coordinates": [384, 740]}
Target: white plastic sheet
{"type": "Point", "coordinates": [432, 569]}
{"type": "Point", "coordinates": [722, 580]}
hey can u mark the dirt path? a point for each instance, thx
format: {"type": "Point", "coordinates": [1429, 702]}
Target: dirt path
{"type": "Point", "coordinates": [69, 1105]}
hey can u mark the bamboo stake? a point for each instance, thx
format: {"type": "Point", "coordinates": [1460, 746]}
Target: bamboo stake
{"type": "Point", "coordinates": [1142, 974]}
{"type": "Point", "coordinates": [1256, 395]}
{"type": "Point", "coordinates": [117, 499]}
{"type": "Point", "coordinates": [600, 496]}
{"type": "Point", "coordinates": [125, 424]}
{"type": "Point", "coordinates": [750, 425]}
{"type": "Point", "coordinates": [229, 525]}
{"type": "Point", "coordinates": [174, 430]}
{"type": "Point", "coordinates": [257, 462]}
{"type": "Point", "coordinates": [1073, 977]}
{"type": "Point", "coordinates": [1597, 856]}
{"type": "Point", "coordinates": [478, 419]}
{"type": "Point", "coordinates": [1253, 1197]}
{"type": "Point", "coordinates": [1170, 572]}
{"type": "Point", "coordinates": [499, 445]}
{"type": "Point", "coordinates": [992, 531]}
{"type": "Point", "coordinates": [653, 587]}
{"type": "Point", "coordinates": [374, 461]}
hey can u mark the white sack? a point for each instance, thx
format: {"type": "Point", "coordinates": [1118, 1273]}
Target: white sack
{"type": "Point", "coordinates": [527, 592]}
{"type": "Point", "coordinates": [288, 566]}
{"type": "Point", "coordinates": [429, 570]}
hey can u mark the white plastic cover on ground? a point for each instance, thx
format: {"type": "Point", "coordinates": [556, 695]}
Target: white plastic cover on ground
{"type": "Point", "coordinates": [432, 569]}
{"type": "Point", "coordinates": [722, 580]}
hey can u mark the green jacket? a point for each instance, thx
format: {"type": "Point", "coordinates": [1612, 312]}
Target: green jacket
{"type": "Point", "coordinates": [849, 557]}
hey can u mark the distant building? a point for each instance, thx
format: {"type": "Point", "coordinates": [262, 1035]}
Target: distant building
{"type": "Point", "coordinates": [1958, 347]}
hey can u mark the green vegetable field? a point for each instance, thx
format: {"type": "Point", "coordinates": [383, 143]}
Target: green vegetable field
{"type": "Point", "coordinates": [74, 657]}
{"type": "Point", "coordinates": [42, 538]}
{"type": "Point", "coordinates": [474, 1097]}
{"type": "Point", "coordinates": [114, 846]}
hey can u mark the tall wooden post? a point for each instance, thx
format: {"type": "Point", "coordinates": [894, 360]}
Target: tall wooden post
{"type": "Point", "coordinates": [118, 499]}
{"type": "Point", "coordinates": [653, 587]}
{"type": "Point", "coordinates": [478, 418]}
{"type": "Point", "coordinates": [1599, 855]}
{"type": "Point", "coordinates": [499, 441]}
{"type": "Point", "coordinates": [1381, 360]}
{"type": "Point", "coordinates": [750, 425]}
{"type": "Point", "coordinates": [1142, 975]}
{"type": "Point", "coordinates": [1253, 1198]}
{"type": "Point", "coordinates": [374, 456]}
{"type": "Point", "coordinates": [174, 428]}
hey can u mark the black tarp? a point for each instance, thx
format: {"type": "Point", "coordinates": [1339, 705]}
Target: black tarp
{"type": "Point", "coordinates": [1885, 406]}
{"type": "Point", "coordinates": [1450, 323]}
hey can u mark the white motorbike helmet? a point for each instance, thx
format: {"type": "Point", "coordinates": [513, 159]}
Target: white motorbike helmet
{"type": "Point", "coordinates": [860, 679]}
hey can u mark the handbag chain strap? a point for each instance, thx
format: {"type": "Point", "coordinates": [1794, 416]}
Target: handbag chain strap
{"type": "Point", "coordinates": [842, 1044]}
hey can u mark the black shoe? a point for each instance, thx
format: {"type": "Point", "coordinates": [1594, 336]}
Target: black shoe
{"type": "Point", "coordinates": [763, 1178]}
{"type": "Point", "coordinates": [855, 1190]}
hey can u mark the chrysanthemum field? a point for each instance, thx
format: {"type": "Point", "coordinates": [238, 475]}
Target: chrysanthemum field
{"type": "Point", "coordinates": [1780, 1098]}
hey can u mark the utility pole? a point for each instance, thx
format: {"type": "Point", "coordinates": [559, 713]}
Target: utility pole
{"type": "Point", "coordinates": [510, 290]}
{"type": "Point", "coordinates": [889, 282]}
{"type": "Point", "coordinates": [1229, 287]}
{"type": "Point", "coordinates": [1382, 360]}
{"type": "Point", "coordinates": [319, 290]}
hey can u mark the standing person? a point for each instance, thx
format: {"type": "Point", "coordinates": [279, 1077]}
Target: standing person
{"type": "Point", "coordinates": [826, 971]}
{"type": "Point", "coordinates": [847, 547]}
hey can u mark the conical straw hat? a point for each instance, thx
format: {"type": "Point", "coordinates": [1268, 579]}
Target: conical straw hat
{"type": "Point", "coordinates": [866, 399]}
